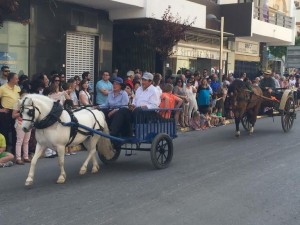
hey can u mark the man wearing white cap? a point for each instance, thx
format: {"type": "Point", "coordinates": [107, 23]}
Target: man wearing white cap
{"type": "Point", "coordinates": [146, 97]}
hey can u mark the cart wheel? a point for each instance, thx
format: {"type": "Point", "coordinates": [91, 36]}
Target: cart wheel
{"type": "Point", "coordinates": [245, 122]}
{"type": "Point", "coordinates": [109, 161]}
{"type": "Point", "coordinates": [161, 151]}
{"type": "Point", "coordinates": [288, 114]}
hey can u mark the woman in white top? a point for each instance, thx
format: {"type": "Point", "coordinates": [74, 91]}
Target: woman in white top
{"type": "Point", "coordinates": [84, 96]}
{"type": "Point", "coordinates": [191, 94]}
{"type": "Point", "coordinates": [57, 95]}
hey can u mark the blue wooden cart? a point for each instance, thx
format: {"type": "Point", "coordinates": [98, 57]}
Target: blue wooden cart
{"type": "Point", "coordinates": [151, 132]}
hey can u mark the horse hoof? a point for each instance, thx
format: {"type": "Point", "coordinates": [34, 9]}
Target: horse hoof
{"type": "Point", "coordinates": [82, 171]}
{"type": "Point", "coordinates": [237, 134]}
{"type": "Point", "coordinates": [95, 169]}
{"type": "Point", "coordinates": [60, 180]}
{"type": "Point", "coordinates": [28, 183]}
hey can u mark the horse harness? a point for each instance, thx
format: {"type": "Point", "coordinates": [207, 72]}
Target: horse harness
{"type": "Point", "coordinates": [54, 116]}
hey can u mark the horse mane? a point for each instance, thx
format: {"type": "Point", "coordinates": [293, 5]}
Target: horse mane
{"type": "Point", "coordinates": [237, 85]}
{"type": "Point", "coordinates": [38, 97]}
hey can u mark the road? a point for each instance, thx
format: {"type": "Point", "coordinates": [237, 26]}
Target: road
{"type": "Point", "coordinates": [214, 179]}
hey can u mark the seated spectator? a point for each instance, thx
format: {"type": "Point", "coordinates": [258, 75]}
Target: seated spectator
{"type": "Point", "coordinates": [84, 95]}
{"type": "Point", "coordinates": [129, 91]}
{"type": "Point", "coordinates": [56, 94]}
{"type": "Point", "coordinates": [77, 88]}
{"type": "Point", "coordinates": [205, 121]}
{"type": "Point", "coordinates": [5, 157]}
{"type": "Point", "coordinates": [71, 85]}
{"type": "Point", "coordinates": [130, 77]}
{"type": "Point", "coordinates": [195, 121]}
{"type": "Point", "coordinates": [216, 118]}
{"type": "Point", "coordinates": [22, 137]}
{"type": "Point", "coordinates": [170, 101]}
{"type": "Point", "coordinates": [136, 85]}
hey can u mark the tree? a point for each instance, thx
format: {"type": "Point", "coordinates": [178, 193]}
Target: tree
{"type": "Point", "coordinates": [280, 51]}
{"type": "Point", "coordinates": [9, 9]}
{"type": "Point", "coordinates": [164, 34]}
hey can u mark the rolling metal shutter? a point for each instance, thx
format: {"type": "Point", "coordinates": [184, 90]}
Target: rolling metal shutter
{"type": "Point", "coordinates": [80, 55]}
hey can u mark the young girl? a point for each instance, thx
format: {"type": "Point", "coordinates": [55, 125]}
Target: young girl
{"type": "Point", "coordinates": [205, 121]}
{"type": "Point", "coordinates": [216, 118]}
{"type": "Point", "coordinates": [22, 137]}
{"type": "Point", "coordinates": [195, 121]}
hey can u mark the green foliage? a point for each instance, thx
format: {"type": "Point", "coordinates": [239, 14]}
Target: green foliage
{"type": "Point", "coordinates": [278, 51]}
{"type": "Point", "coordinates": [9, 9]}
{"type": "Point", "coordinates": [164, 34]}
{"type": "Point", "coordinates": [297, 41]}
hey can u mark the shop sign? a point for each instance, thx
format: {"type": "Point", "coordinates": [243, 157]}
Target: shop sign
{"type": "Point", "coordinates": [197, 53]}
{"type": "Point", "coordinates": [247, 48]}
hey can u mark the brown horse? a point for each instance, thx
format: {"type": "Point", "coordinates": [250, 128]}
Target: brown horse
{"type": "Point", "coordinates": [245, 100]}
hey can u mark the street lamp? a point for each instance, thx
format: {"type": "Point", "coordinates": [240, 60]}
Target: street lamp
{"type": "Point", "coordinates": [213, 17]}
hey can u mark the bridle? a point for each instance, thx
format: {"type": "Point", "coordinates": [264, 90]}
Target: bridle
{"type": "Point", "coordinates": [31, 111]}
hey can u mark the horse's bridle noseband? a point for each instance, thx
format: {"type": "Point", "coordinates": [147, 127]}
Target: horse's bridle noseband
{"type": "Point", "coordinates": [31, 111]}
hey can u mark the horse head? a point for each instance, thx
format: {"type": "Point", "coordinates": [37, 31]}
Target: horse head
{"type": "Point", "coordinates": [29, 112]}
{"type": "Point", "coordinates": [239, 94]}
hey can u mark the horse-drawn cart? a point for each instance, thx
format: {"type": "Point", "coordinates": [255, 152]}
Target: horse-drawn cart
{"type": "Point", "coordinates": [284, 107]}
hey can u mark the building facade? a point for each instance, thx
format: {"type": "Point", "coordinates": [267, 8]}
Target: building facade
{"type": "Point", "coordinates": [73, 36]}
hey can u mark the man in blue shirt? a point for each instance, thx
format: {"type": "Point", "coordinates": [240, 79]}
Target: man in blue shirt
{"type": "Point", "coordinates": [103, 87]}
{"type": "Point", "coordinates": [215, 84]}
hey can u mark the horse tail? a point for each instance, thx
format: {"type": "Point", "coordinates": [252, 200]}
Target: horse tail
{"type": "Point", "coordinates": [104, 145]}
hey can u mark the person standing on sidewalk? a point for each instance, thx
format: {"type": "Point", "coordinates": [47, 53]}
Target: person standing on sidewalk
{"type": "Point", "coordinates": [4, 74]}
{"type": "Point", "coordinates": [9, 95]}
{"type": "Point", "coordinates": [103, 87]}
{"type": "Point", "coordinates": [22, 137]}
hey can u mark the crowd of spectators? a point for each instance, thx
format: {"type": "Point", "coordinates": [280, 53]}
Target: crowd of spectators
{"type": "Point", "coordinates": [202, 99]}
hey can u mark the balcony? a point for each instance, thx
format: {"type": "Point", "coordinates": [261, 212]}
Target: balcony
{"type": "Point", "coordinates": [259, 24]}
{"type": "Point", "coordinates": [274, 17]}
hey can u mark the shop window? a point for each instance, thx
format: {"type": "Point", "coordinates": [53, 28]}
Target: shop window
{"type": "Point", "coordinates": [14, 47]}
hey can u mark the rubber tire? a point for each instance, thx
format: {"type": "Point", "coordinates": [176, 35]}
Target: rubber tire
{"type": "Point", "coordinates": [109, 161]}
{"type": "Point", "coordinates": [245, 122]}
{"type": "Point", "coordinates": [287, 119]}
{"type": "Point", "coordinates": [158, 161]}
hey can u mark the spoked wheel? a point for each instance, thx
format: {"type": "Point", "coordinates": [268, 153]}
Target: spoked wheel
{"type": "Point", "coordinates": [109, 161]}
{"type": "Point", "coordinates": [161, 151]}
{"type": "Point", "coordinates": [288, 114]}
{"type": "Point", "coordinates": [245, 122]}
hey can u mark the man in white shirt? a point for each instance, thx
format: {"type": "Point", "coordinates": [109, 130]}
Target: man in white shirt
{"type": "Point", "coordinates": [146, 97]}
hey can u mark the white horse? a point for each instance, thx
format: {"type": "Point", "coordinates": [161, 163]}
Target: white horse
{"type": "Point", "coordinates": [47, 116]}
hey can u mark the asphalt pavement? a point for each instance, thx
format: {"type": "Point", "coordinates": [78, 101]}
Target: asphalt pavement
{"type": "Point", "coordinates": [214, 179]}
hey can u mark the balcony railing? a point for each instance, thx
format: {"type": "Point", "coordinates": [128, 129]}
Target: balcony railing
{"type": "Point", "coordinates": [274, 17]}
